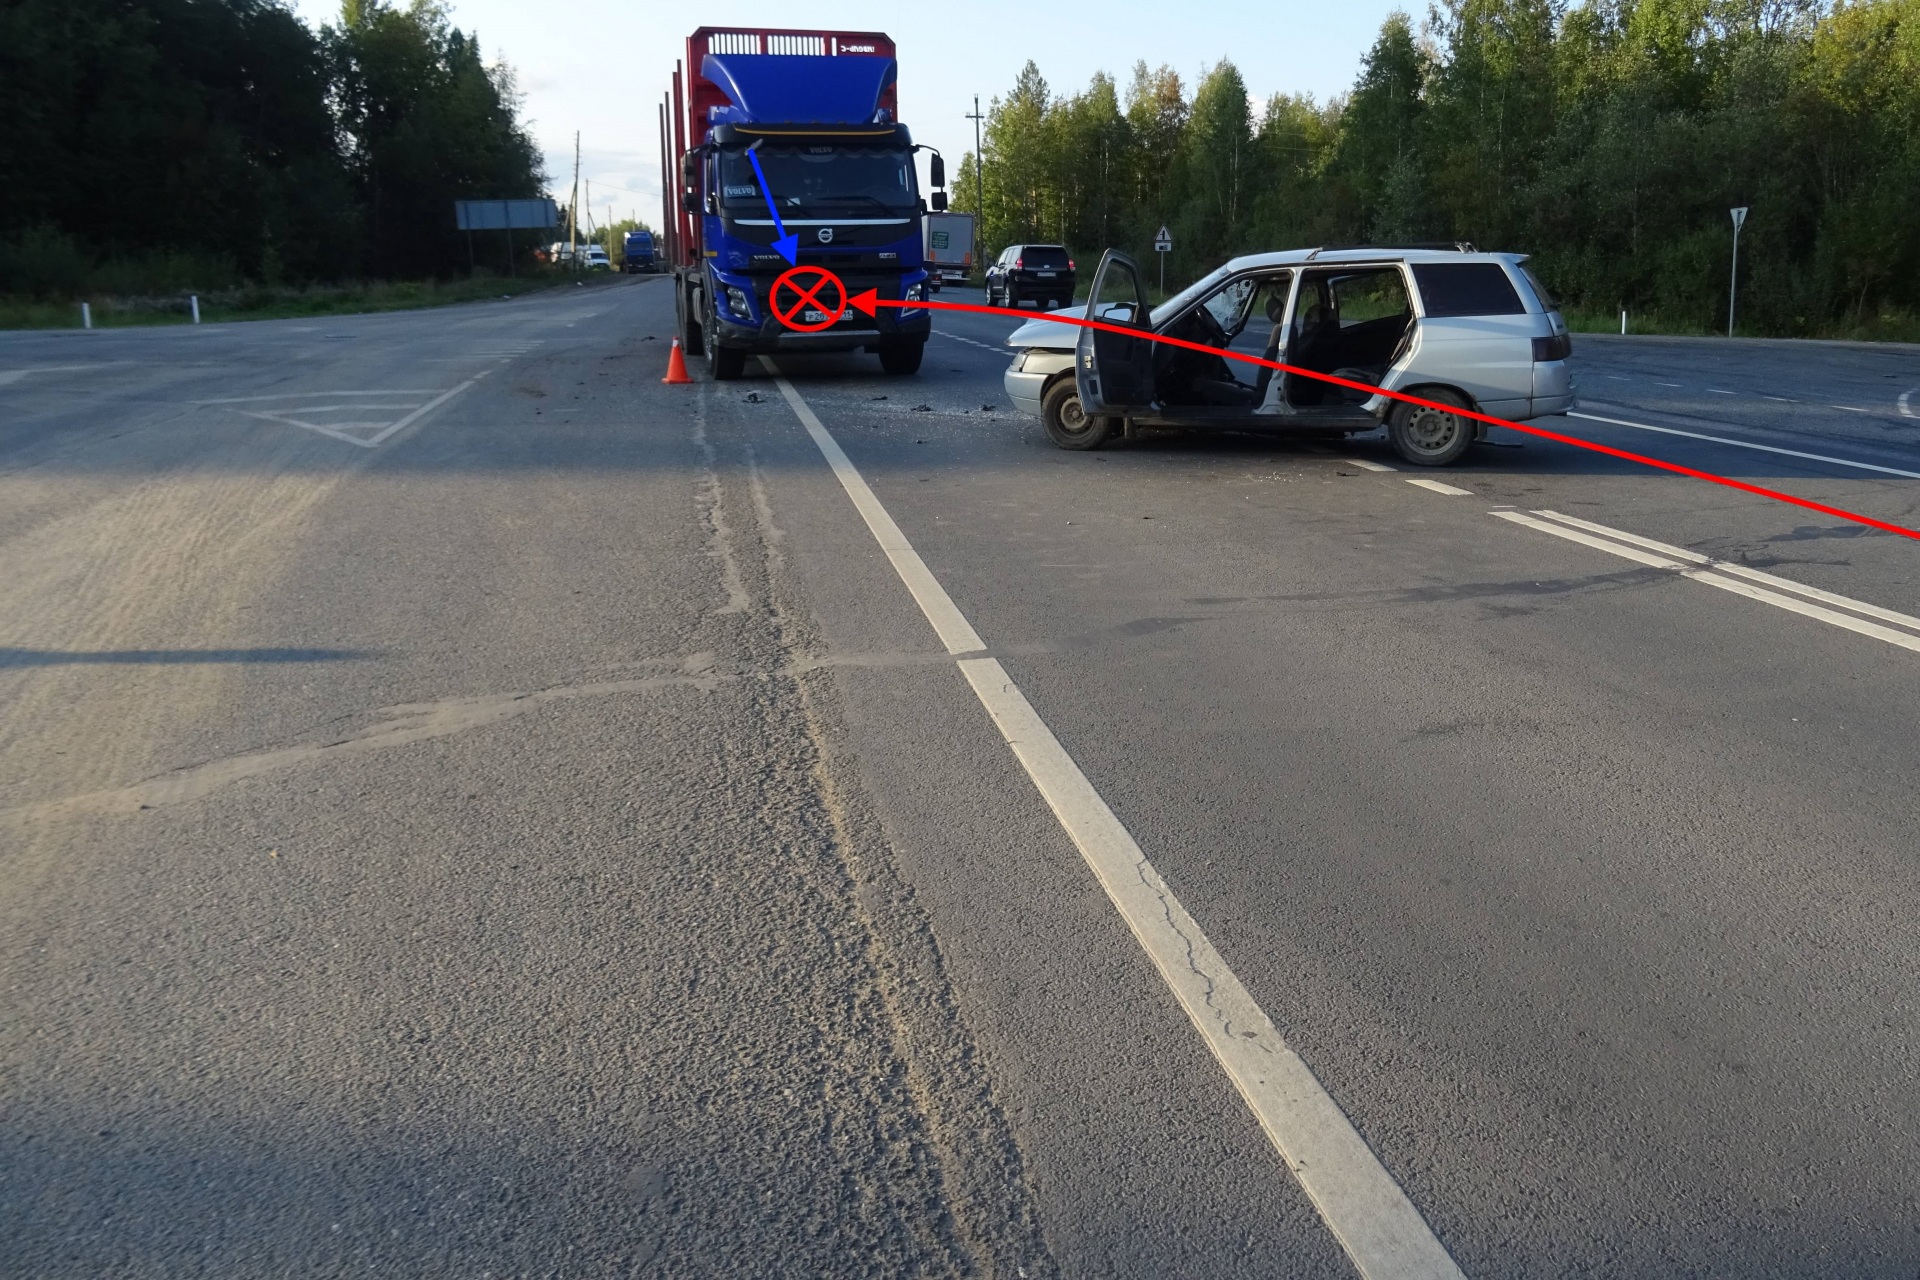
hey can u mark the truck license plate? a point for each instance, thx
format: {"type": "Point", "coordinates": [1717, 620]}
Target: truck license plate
{"type": "Point", "coordinates": [815, 317]}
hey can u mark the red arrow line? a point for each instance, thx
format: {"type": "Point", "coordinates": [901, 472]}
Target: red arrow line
{"type": "Point", "coordinates": [868, 301]}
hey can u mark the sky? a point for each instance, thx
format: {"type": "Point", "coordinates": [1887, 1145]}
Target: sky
{"type": "Point", "coordinates": [600, 66]}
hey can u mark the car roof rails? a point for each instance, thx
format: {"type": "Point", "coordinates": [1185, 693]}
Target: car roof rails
{"type": "Point", "coordinates": [1436, 246]}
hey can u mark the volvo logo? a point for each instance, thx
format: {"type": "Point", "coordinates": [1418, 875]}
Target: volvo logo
{"type": "Point", "coordinates": [825, 234]}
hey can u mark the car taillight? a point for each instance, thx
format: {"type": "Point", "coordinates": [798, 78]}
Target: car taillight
{"type": "Point", "coordinates": [1069, 264]}
{"type": "Point", "coordinates": [1558, 347]}
{"type": "Point", "coordinates": [1019, 264]}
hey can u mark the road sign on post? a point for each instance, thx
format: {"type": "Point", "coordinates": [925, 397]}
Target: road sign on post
{"type": "Point", "coordinates": [1163, 245]}
{"type": "Point", "coordinates": [502, 215]}
{"type": "Point", "coordinates": [1733, 285]}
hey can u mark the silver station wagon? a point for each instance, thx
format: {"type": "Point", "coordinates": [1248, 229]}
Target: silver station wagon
{"type": "Point", "coordinates": [1455, 326]}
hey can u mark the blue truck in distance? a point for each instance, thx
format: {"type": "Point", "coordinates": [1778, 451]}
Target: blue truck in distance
{"type": "Point", "coordinates": [813, 113]}
{"type": "Point", "coordinates": [636, 253]}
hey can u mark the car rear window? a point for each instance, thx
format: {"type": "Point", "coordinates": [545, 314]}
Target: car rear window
{"type": "Point", "coordinates": [1467, 289]}
{"type": "Point", "coordinates": [1540, 290]}
{"type": "Point", "coordinates": [1049, 256]}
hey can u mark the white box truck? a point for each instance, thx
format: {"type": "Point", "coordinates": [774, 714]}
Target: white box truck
{"type": "Point", "coordinates": [949, 248]}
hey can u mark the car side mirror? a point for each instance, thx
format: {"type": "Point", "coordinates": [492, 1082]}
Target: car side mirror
{"type": "Point", "coordinates": [937, 170]}
{"type": "Point", "coordinates": [939, 202]}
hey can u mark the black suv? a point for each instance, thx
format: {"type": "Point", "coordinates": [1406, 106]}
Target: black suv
{"type": "Point", "coordinates": [1037, 273]}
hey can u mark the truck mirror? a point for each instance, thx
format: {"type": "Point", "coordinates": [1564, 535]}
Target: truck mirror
{"type": "Point", "coordinates": [939, 202]}
{"type": "Point", "coordinates": [937, 170]}
{"type": "Point", "coordinates": [690, 201]}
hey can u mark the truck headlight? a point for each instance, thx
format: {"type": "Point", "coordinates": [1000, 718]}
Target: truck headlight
{"type": "Point", "coordinates": [916, 292]}
{"type": "Point", "coordinates": [739, 303]}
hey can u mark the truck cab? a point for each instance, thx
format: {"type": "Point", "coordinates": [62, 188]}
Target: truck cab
{"type": "Point", "coordinates": [636, 252]}
{"type": "Point", "coordinates": [794, 159]}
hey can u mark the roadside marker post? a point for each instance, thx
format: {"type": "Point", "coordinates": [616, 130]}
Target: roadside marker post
{"type": "Point", "coordinates": [86, 316]}
{"type": "Point", "coordinates": [1733, 283]}
{"type": "Point", "coordinates": [193, 300]}
{"type": "Point", "coordinates": [1163, 245]}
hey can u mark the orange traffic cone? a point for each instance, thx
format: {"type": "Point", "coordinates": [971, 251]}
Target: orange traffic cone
{"type": "Point", "coordinates": [676, 365]}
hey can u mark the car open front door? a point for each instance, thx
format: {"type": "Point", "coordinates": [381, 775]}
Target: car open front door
{"type": "Point", "coordinates": [1113, 367]}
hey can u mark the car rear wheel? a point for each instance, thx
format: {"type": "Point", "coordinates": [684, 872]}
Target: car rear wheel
{"type": "Point", "coordinates": [1068, 425]}
{"type": "Point", "coordinates": [1431, 437]}
{"type": "Point", "coordinates": [1012, 296]}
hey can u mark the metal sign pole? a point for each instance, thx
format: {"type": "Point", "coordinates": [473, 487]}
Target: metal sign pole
{"type": "Point", "coordinates": [1733, 284]}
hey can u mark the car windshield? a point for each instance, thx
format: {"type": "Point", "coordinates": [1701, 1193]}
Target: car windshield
{"type": "Point", "coordinates": [828, 178]}
{"type": "Point", "coordinates": [1178, 302]}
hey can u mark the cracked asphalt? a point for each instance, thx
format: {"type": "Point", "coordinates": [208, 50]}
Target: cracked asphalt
{"type": "Point", "coordinates": [550, 841]}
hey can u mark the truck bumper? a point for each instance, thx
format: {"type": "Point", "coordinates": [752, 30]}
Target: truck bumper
{"type": "Point", "coordinates": [854, 333]}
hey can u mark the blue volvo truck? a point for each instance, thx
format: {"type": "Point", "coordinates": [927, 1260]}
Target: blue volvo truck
{"type": "Point", "coordinates": [636, 253]}
{"type": "Point", "coordinates": [793, 132]}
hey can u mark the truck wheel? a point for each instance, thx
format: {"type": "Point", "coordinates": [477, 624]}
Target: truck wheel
{"type": "Point", "coordinates": [1068, 425]}
{"type": "Point", "coordinates": [692, 338]}
{"type": "Point", "coordinates": [902, 357]}
{"type": "Point", "coordinates": [724, 363]}
{"type": "Point", "coordinates": [1430, 437]}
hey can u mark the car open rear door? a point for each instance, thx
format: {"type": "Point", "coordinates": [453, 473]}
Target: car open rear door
{"type": "Point", "coordinates": [1114, 367]}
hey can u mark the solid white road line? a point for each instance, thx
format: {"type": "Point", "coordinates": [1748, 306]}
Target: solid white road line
{"type": "Point", "coordinates": [313, 395]}
{"type": "Point", "coordinates": [1790, 603]}
{"type": "Point", "coordinates": [1364, 465]}
{"type": "Point", "coordinates": [948, 622]}
{"type": "Point", "coordinates": [1849, 408]}
{"type": "Point", "coordinates": [1438, 487]}
{"type": "Point", "coordinates": [424, 410]}
{"type": "Point", "coordinates": [1368, 1213]}
{"type": "Point", "coordinates": [1747, 444]}
{"type": "Point", "coordinates": [10, 376]}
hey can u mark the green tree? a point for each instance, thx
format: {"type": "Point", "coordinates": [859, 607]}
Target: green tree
{"type": "Point", "coordinates": [427, 123]}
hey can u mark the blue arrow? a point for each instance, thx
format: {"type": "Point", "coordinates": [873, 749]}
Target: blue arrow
{"type": "Point", "coordinates": [789, 246]}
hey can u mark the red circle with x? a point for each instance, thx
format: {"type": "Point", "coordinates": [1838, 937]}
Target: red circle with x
{"type": "Point", "coordinates": [807, 296]}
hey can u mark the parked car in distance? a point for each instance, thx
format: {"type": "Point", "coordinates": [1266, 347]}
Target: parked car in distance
{"type": "Point", "coordinates": [1037, 273]}
{"type": "Point", "coordinates": [1472, 330]}
{"type": "Point", "coordinates": [594, 258]}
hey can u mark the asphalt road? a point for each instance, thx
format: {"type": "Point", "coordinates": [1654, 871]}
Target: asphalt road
{"type": "Point", "coordinates": [468, 808]}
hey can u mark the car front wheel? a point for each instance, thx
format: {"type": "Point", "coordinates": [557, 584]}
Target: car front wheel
{"type": "Point", "coordinates": [1068, 425]}
{"type": "Point", "coordinates": [1428, 436]}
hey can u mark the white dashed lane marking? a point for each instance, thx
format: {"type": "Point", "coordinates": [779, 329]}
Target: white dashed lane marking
{"type": "Point", "coordinates": [1364, 465]}
{"type": "Point", "coordinates": [984, 346]}
{"type": "Point", "coordinates": [1437, 487]}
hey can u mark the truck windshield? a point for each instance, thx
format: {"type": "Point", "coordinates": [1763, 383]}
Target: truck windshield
{"type": "Point", "coordinates": [827, 178]}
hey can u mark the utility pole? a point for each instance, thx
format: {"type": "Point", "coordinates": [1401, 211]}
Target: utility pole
{"type": "Point", "coordinates": [573, 206]}
{"type": "Point", "coordinates": [1733, 284]}
{"type": "Point", "coordinates": [979, 191]}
